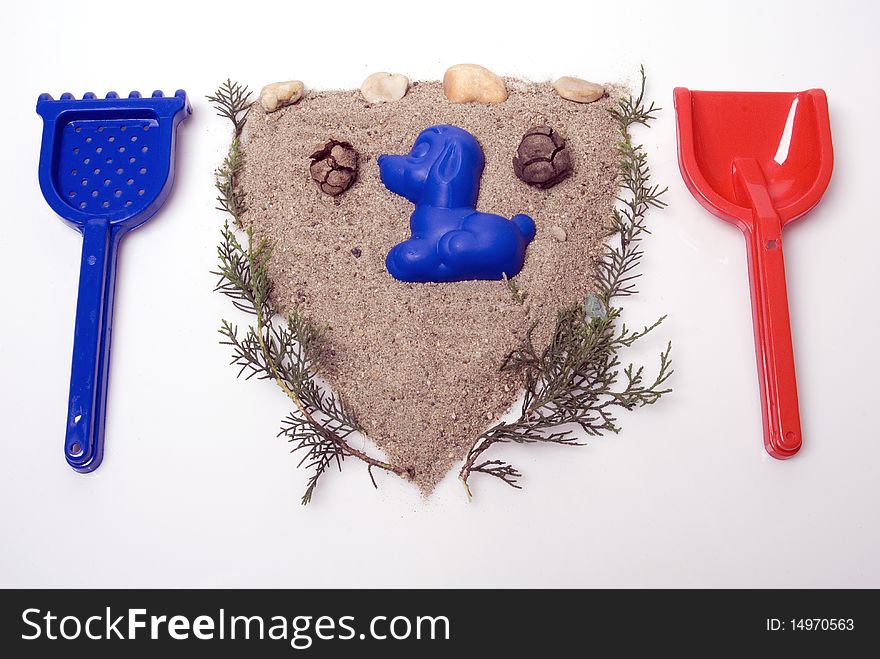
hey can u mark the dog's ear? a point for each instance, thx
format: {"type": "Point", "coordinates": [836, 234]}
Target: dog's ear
{"type": "Point", "coordinates": [450, 163]}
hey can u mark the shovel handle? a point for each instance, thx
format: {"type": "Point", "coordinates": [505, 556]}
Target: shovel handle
{"type": "Point", "coordinates": [772, 325]}
{"type": "Point", "coordinates": [84, 440]}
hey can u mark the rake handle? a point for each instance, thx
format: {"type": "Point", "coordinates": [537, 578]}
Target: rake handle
{"type": "Point", "coordinates": [84, 440]}
{"type": "Point", "coordinates": [772, 325]}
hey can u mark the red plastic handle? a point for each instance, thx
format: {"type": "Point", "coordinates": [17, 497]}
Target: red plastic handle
{"type": "Point", "coordinates": [776, 372]}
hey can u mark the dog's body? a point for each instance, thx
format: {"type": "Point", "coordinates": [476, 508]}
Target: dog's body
{"type": "Point", "coordinates": [450, 240]}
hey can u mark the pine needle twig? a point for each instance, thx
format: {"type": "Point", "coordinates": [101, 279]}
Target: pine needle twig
{"type": "Point", "coordinates": [288, 352]}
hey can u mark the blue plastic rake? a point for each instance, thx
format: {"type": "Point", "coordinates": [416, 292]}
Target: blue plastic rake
{"type": "Point", "coordinates": [106, 167]}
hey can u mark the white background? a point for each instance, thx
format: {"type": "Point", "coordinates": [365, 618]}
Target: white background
{"type": "Point", "coordinates": [196, 491]}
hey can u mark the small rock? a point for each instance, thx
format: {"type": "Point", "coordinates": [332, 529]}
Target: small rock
{"type": "Point", "coordinates": [384, 87]}
{"type": "Point", "coordinates": [356, 252]}
{"type": "Point", "coordinates": [471, 83]}
{"type": "Point", "coordinates": [558, 234]}
{"type": "Point", "coordinates": [594, 308]}
{"type": "Point", "coordinates": [541, 158]}
{"type": "Point", "coordinates": [334, 167]}
{"type": "Point", "coordinates": [277, 95]}
{"type": "Point", "coordinates": [577, 90]}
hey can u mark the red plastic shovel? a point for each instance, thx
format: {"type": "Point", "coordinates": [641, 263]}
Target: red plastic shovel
{"type": "Point", "coordinates": [760, 160]}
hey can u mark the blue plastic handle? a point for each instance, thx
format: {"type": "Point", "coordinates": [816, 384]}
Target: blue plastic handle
{"type": "Point", "coordinates": [84, 441]}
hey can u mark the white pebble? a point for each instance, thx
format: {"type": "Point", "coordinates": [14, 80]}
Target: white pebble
{"type": "Point", "coordinates": [472, 83]}
{"type": "Point", "coordinates": [384, 87]}
{"type": "Point", "coordinates": [277, 95]}
{"type": "Point", "coordinates": [558, 234]}
{"type": "Point", "coordinates": [577, 90]}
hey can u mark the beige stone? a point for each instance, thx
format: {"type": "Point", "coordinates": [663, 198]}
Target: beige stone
{"type": "Point", "coordinates": [384, 87]}
{"type": "Point", "coordinates": [558, 234]}
{"type": "Point", "coordinates": [472, 83]}
{"type": "Point", "coordinates": [277, 95]}
{"type": "Point", "coordinates": [577, 90]}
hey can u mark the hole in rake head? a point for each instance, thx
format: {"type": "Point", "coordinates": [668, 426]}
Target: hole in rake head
{"type": "Point", "coordinates": [105, 204]}
{"type": "Point", "coordinates": [141, 192]}
{"type": "Point", "coordinates": [82, 204]}
{"type": "Point", "coordinates": [111, 138]}
{"type": "Point", "coordinates": [128, 203]}
{"type": "Point", "coordinates": [144, 149]}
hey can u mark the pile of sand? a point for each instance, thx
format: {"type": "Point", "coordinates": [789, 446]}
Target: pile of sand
{"type": "Point", "coordinates": [418, 364]}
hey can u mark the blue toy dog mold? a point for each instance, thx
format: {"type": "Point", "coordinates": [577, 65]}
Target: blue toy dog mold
{"type": "Point", "coordinates": [451, 240]}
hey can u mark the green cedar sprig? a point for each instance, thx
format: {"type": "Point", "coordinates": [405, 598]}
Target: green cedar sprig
{"type": "Point", "coordinates": [288, 352]}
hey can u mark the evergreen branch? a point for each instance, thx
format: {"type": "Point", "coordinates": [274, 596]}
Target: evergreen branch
{"type": "Point", "coordinates": [287, 353]}
{"type": "Point", "coordinates": [232, 101]}
{"type": "Point", "coordinates": [578, 379]}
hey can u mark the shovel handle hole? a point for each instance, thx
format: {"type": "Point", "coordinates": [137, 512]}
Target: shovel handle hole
{"type": "Point", "coordinates": [75, 448]}
{"type": "Point", "coordinates": [772, 244]}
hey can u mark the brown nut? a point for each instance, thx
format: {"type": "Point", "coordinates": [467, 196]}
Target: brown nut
{"type": "Point", "coordinates": [541, 158]}
{"type": "Point", "coordinates": [334, 167]}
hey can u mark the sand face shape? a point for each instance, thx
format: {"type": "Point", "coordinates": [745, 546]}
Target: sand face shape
{"type": "Point", "coordinates": [419, 364]}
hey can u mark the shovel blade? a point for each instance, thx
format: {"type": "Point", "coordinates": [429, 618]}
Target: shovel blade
{"type": "Point", "coordinates": [787, 133]}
